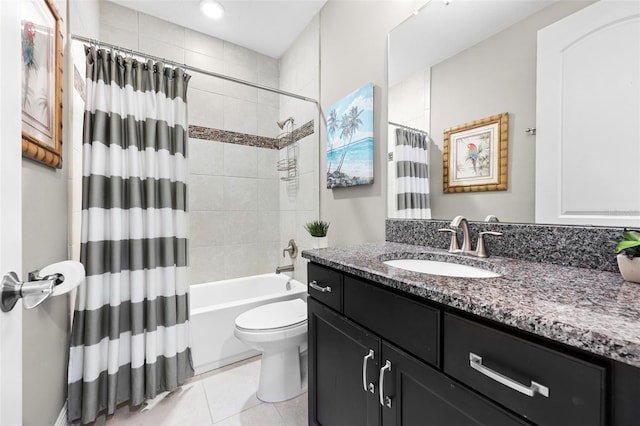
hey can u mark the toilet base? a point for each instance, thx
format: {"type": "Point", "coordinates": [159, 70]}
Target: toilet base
{"type": "Point", "coordinates": [281, 377]}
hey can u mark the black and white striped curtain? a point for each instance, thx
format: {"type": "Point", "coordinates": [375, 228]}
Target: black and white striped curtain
{"type": "Point", "coordinates": [412, 175]}
{"type": "Point", "coordinates": [130, 335]}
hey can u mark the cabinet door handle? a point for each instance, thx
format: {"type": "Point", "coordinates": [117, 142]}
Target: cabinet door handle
{"type": "Point", "coordinates": [365, 361]}
{"type": "Point", "coordinates": [314, 284]}
{"type": "Point", "coordinates": [475, 362]}
{"type": "Point", "coordinates": [384, 400]}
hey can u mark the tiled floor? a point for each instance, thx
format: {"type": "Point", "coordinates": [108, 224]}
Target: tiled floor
{"type": "Point", "coordinates": [223, 397]}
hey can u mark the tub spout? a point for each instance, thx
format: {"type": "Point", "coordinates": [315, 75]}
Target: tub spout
{"type": "Point", "coordinates": [287, 268]}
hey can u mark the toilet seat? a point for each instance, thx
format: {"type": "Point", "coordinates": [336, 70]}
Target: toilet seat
{"type": "Point", "coordinates": [279, 331]}
{"type": "Point", "coordinates": [274, 316]}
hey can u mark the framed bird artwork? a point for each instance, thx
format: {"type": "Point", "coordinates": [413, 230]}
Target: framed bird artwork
{"type": "Point", "coordinates": [475, 155]}
{"type": "Point", "coordinates": [41, 82]}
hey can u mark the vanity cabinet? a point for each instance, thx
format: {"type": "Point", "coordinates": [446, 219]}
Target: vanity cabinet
{"type": "Point", "coordinates": [379, 357]}
{"type": "Point", "coordinates": [359, 376]}
{"type": "Point", "coordinates": [338, 362]}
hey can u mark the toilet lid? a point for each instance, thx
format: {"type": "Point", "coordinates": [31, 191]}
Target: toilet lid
{"type": "Point", "coordinates": [274, 315]}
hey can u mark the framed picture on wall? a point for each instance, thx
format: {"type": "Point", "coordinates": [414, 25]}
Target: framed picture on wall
{"type": "Point", "coordinates": [41, 82]}
{"type": "Point", "coordinates": [475, 155]}
{"type": "Point", "coordinates": [350, 140]}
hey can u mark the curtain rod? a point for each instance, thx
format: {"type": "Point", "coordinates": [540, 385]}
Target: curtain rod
{"type": "Point", "coordinates": [409, 128]}
{"type": "Point", "coordinates": [190, 68]}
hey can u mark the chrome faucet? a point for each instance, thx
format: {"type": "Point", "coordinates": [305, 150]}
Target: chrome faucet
{"type": "Point", "coordinates": [292, 249]}
{"type": "Point", "coordinates": [466, 236]}
{"type": "Point", "coordinates": [287, 268]}
{"type": "Point", "coordinates": [461, 221]}
{"type": "Point", "coordinates": [481, 250]}
{"type": "Point", "coordinates": [491, 218]}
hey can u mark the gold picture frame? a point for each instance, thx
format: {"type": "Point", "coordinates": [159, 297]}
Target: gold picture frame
{"type": "Point", "coordinates": [41, 102]}
{"type": "Point", "coordinates": [475, 155]}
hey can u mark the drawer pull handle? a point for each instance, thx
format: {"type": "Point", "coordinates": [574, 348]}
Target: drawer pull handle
{"type": "Point", "coordinates": [365, 361]}
{"type": "Point", "coordinates": [384, 400]}
{"type": "Point", "coordinates": [314, 284]}
{"type": "Point", "coordinates": [475, 362]}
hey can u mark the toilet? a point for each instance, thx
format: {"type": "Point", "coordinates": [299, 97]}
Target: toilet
{"type": "Point", "coordinates": [279, 331]}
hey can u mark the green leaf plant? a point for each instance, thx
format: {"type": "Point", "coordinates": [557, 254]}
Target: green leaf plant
{"type": "Point", "coordinates": [317, 228]}
{"type": "Point", "coordinates": [630, 244]}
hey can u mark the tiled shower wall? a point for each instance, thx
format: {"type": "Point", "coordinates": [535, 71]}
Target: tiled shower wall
{"type": "Point", "coordinates": [240, 219]}
{"type": "Point", "coordinates": [234, 210]}
{"type": "Point", "coordinates": [299, 204]}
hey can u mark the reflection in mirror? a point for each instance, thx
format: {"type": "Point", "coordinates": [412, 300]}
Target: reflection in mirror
{"type": "Point", "coordinates": [456, 63]}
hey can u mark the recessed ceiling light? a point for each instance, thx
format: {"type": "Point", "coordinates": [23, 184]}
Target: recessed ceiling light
{"type": "Point", "coordinates": [212, 9]}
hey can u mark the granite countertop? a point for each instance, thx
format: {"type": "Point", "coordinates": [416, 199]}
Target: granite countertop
{"type": "Point", "coordinates": [592, 310]}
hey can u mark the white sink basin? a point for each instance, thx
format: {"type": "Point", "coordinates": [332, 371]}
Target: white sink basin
{"type": "Point", "coordinates": [446, 269]}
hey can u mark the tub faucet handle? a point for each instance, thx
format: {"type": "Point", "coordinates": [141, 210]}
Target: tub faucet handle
{"type": "Point", "coordinates": [292, 248]}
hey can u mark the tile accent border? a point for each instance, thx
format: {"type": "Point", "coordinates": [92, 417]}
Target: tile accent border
{"type": "Point", "coordinates": [226, 136]}
{"type": "Point", "coordinates": [589, 247]}
{"type": "Point", "coordinates": [301, 132]}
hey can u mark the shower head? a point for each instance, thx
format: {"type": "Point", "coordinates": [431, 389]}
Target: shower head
{"type": "Point", "coordinates": [284, 122]}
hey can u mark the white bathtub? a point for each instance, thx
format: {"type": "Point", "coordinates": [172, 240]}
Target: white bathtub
{"type": "Point", "coordinates": [215, 306]}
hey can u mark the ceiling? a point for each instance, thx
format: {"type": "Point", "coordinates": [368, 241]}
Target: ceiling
{"type": "Point", "coordinates": [265, 26]}
{"type": "Point", "coordinates": [413, 46]}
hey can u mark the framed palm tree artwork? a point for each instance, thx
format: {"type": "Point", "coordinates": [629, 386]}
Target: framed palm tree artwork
{"type": "Point", "coordinates": [350, 140]}
{"type": "Point", "coordinates": [41, 82]}
{"type": "Point", "coordinates": [475, 155]}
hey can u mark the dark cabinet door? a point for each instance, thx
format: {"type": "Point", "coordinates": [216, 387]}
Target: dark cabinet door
{"type": "Point", "coordinates": [339, 372]}
{"type": "Point", "coordinates": [415, 394]}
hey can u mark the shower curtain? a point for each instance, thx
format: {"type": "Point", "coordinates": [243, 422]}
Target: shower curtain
{"type": "Point", "coordinates": [130, 333]}
{"type": "Point", "coordinates": [412, 183]}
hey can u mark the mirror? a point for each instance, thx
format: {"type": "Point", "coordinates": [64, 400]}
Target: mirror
{"type": "Point", "coordinates": [456, 61]}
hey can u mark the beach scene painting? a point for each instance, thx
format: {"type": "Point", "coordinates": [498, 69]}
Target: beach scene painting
{"type": "Point", "coordinates": [350, 140]}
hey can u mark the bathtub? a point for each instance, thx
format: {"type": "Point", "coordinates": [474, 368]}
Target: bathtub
{"type": "Point", "coordinates": [215, 306]}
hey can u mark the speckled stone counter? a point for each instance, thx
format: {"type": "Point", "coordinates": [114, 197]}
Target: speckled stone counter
{"type": "Point", "coordinates": [596, 311]}
{"type": "Point", "coordinates": [590, 247]}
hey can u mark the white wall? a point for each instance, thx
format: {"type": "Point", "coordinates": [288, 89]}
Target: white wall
{"type": "Point", "coordinates": [353, 46]}
{"type": "Point", "coordinates": [44, 241]}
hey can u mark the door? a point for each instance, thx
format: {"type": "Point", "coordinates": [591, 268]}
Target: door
{"type": "Point", "coordinates": [10, 210]}
{"type": "Point", "coordinates": [587, 107]}
{"type": "Point", "coordinates": [416, 394]}
{"type": "Point", "coordinates": [340, 369]}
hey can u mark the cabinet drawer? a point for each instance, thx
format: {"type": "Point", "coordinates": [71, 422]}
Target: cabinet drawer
{"type": "Point", "coordinates": [408, 324]}
{"type": "Point", "coordinates": [325, 285]}
{"type": "Point", "coordinates": [422, 395]}
{"type": "Point", "coordinates": [575, 387]}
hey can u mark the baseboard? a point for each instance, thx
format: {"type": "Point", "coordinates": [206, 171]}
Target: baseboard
{"type": "Point", "coordinates": [201, 369]}
{"type": "Point", "coordinates": [62, 417]}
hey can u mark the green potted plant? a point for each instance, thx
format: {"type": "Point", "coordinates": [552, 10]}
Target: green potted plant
{"type": "Point", "coordinates": [318, 230]}
{"type": "Point", "coordinates": [628, 250]}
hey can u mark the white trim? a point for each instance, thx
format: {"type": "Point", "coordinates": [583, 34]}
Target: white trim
{"type": "Point", "coordinates": [10, 210]}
